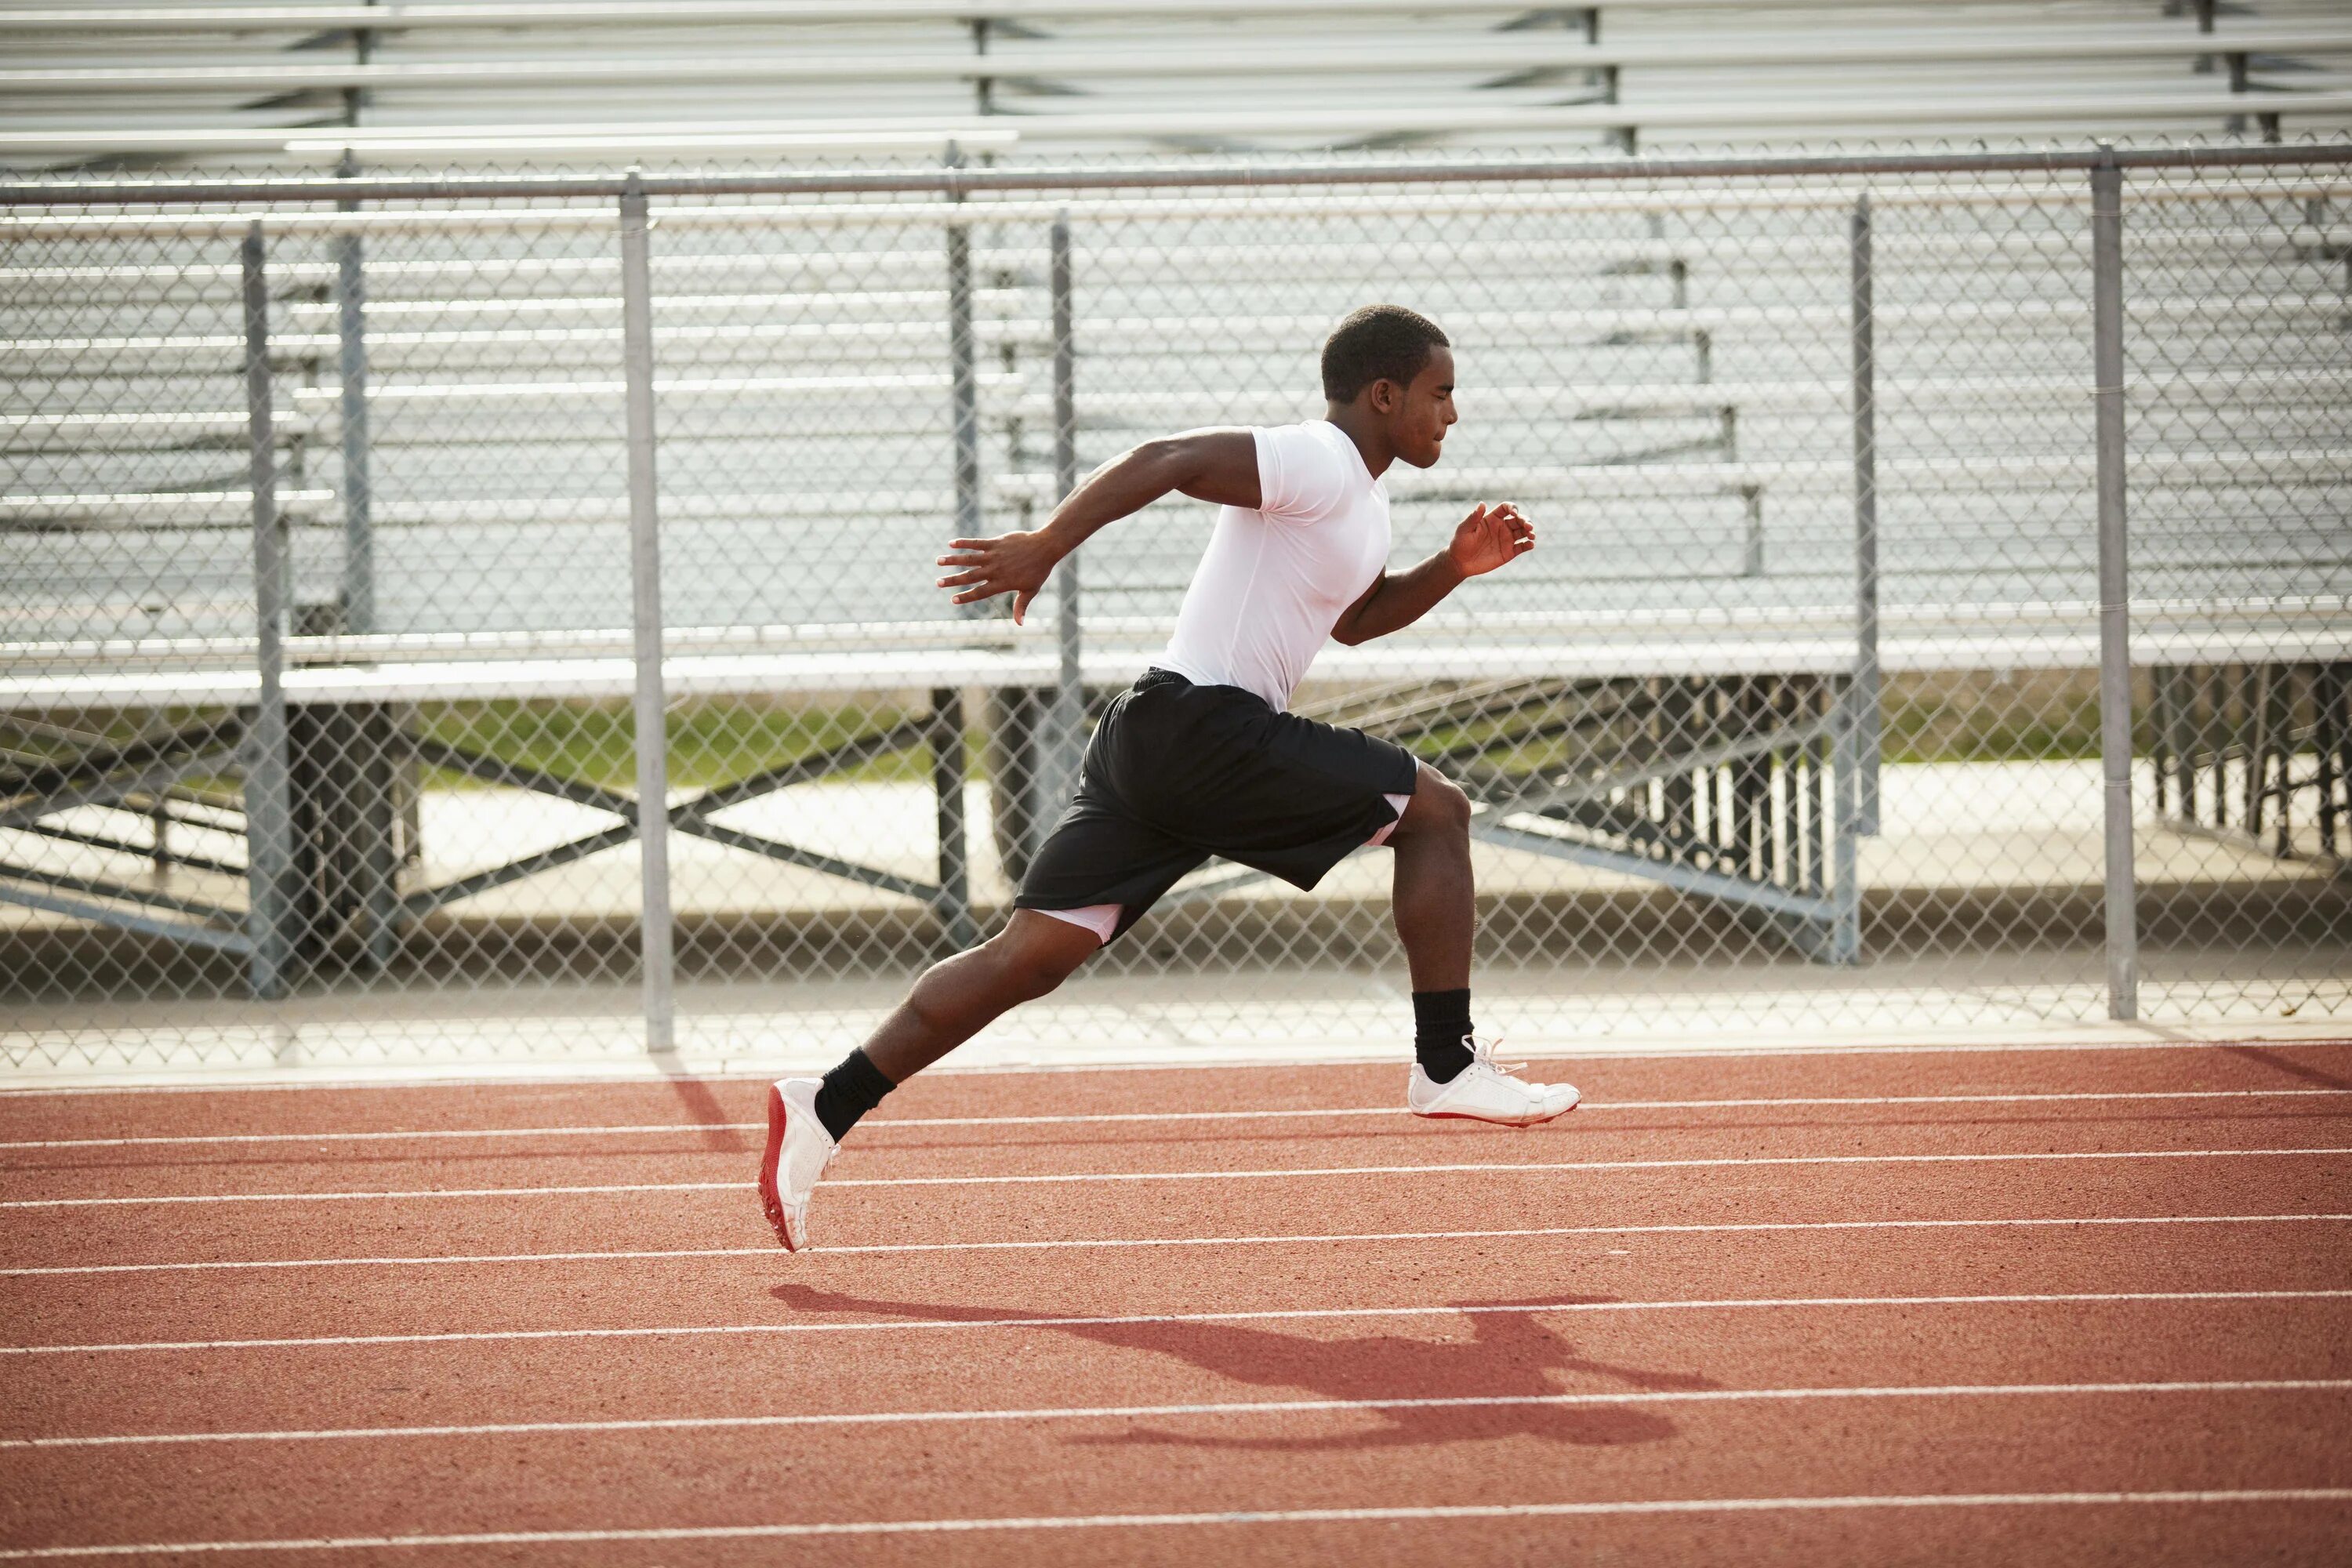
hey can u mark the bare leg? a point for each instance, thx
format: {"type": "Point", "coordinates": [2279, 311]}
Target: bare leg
{"type": "Point", "coordinates": [958, 997]}
{"type": "Point", "coordinates": [1435, 913]}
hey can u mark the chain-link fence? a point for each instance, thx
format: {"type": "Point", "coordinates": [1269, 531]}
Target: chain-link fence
{"type": "Point", "coordinates": [339, 524]}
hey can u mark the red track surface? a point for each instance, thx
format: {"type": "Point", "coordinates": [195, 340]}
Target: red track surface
{"type": "Point", "coordinates": [1746, 1331]}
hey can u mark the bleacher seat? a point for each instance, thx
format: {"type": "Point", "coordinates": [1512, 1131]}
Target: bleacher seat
{"type": "Point", "coordinates": [417, 83]}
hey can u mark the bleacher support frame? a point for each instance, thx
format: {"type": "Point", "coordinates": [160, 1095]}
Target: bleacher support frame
{"type": "Point", "coordinates": [1717, 790]}
{"type": "Point", "coordinates": [2222, 741]}
{"type": "Point", "coordinates": [108, 775]}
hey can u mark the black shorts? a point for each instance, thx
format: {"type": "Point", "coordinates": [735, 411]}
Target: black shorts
{"type": "Point", "coordinates": [1177, 773]}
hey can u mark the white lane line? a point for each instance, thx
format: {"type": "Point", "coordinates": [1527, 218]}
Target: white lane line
{"type": "Point", "coordinates": [1115, 1242]}
{"type": "Point", "coordinates": [1235, 1517]}
{"type": "Point", "coordinates": [1280, 1314]}
{"type": "Point", "coordinates": [1546, 1053]}
{"type": "Point", "coordinates": [1232, 1408]}
{"type": "Point", "coordinates": [886, 1125]}
{"type": "Point", "coordinates": [1497, 1168]}
{"type": "Point", "coordinates": [1536, 1051]}
{"type": "Point", "coordinates": [624, 1129]}
{"type": "Point", "coordinates": [348, 1198]}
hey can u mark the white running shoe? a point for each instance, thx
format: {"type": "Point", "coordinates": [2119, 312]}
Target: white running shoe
{"type": "Point", "coordinates": [1486, 1091]}
{"type": "Point", "coordinates": [799, 1149]}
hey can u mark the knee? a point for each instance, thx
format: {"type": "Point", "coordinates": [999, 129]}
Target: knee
{"type": "Point", "coordinates": [1028, 971]}
{"type": "Point", "coordinates": [1441, 807]}
{"type": "Point", "coordinates": [1454, 804]}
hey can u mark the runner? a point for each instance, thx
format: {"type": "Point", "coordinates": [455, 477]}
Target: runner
{"type": "Point", "coordinates": [1201, 757]}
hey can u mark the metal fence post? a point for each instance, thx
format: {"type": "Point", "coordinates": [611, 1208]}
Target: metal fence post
{"type": "Point", "coordinates": [377, 779]}
{"type": "Point", "coordinates": [947, 728]}
{"type": "Point", "coordinates": [945, 731]}
{"type": "Point", "coordinates": [1069, 695]}
{"type": "Point", "coordinates": [1845, 848]}
{"type": "Point", "coordinates": [645, 617]}
{"type": "Point", "coordinates": [2115, 592]}
{"type": "Point", "coordinates": [1866, 699]}
{"type": "Point", "coordinates": [359, 528]}
{"type": "Point", "coordinates": [268, 805]}
{"type": "Point", "coordinates": [963, 389]}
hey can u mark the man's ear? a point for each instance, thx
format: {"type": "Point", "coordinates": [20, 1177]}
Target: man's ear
{"type": "Point", "coordinates": [1385, 396]}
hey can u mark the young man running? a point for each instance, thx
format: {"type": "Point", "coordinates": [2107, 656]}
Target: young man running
{"type": "Point", "coordinates": [1200, 758]}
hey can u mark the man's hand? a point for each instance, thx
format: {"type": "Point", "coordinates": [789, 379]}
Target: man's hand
{"type": "Point", "coordinates": [1014, 564]}
{"type": "Point", "coordinates": [1490, 537]}
{"type": "Point", "coordinates": [1218, 465]}
{"type": "Point", "coordinates": [1487, 538]}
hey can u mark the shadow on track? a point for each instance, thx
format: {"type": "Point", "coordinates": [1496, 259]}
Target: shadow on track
{"type": "Point", "coordinates": [1509, 1354]}
{"type": "Point", "coordinates": [701, 1106]}
{"type": "Point", "coordinates": [2290, 1066]}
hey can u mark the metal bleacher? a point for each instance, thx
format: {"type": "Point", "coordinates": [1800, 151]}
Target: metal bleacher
{"type": "Point", "coordinates": [1672, 388]}
{"type": "Point", "coordinates": [421, 82]}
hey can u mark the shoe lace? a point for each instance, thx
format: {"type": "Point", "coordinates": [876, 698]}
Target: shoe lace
{"type": "Point", "coordinates": [1482, 1053]}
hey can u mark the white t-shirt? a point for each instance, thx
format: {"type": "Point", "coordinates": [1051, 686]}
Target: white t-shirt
{"type": "Point", "coordinates": [1274, 582]}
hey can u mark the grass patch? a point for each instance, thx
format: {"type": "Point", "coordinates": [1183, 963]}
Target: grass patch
{"type": "Point", "coordinates": [2029, 716]}
{"type": "Point", "coordinates": [710, 743]}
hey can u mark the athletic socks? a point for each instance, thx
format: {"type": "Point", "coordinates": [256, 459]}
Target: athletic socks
{"type": "Point", "coordinates": [851, 1090]}
{"type": "Point", "coordinates": [1441, 1021]}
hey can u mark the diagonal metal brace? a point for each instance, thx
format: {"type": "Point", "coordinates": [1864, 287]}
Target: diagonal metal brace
{"type": "Point", "coordinates": [92, 767]}
{"type": "Point", "coordinates": [690, 817]}
{"type": "Point", "coordinates": [99, 888]}
{"type": "Point", "coordinates": [108, 791]}
{"type": "Point", "coordinates": [794, 855]}
{"type": "Point", "coordinates": [804, 770]}
{"type": "Point", "coordinates": [426, 900]}
{"type": "Point", "coordinates": [495, 770]}
{"type": "Point", "coordinates": [108, 914]}
{"type": "Point", "coordinates": [1705, 759]}
{"type": "Point", "coordinates": [1682, 879]}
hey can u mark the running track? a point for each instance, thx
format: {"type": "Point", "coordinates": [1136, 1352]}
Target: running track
{"type": "Point", "coordinates": [2080, 1306]}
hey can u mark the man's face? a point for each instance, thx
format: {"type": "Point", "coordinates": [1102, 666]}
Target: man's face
{"type": "Point", "coordinates": [1419, 415]}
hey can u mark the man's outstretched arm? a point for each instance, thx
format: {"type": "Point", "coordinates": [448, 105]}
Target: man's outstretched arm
{"type": "Point", "coordinates": [1218, 465]}
{"type": "Point", "coordinates": [1487, 538]}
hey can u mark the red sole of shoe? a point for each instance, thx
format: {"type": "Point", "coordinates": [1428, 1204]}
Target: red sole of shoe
{"type": "Point", "coordinates": [769, 1201]}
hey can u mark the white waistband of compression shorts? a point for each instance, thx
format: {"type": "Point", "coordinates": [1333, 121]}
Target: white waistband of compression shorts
{"type": "Point", "coordinates": [1101, 918]}
{"type": "Point", "coordinates": [1397, 802]}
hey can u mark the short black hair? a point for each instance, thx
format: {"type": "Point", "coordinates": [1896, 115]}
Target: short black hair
{"type": "Point", "coordinates": [1379, 342]}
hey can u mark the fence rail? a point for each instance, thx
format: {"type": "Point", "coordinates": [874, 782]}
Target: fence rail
{"type": "Point", "coordinates": [1827, 697]}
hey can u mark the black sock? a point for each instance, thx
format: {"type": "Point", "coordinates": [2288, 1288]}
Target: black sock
{"type": "Point", "coordinates": [850, 1090]}
{"type": "Point", "coordinates": [1440, 1020]}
